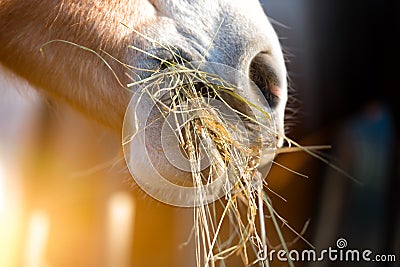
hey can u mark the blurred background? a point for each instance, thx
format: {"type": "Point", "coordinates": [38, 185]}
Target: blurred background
{"type": "Point", "coordinates": [342, 70]}
{"type": "Point", "coordinates": [66, 199]}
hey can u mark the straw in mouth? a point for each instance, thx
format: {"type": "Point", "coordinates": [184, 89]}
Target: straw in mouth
{"type": "Point", "coordinates": [227, 139]}
{"type": "Point", "coordinates": [220, 136]}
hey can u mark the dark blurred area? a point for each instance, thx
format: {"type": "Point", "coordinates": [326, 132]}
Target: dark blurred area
{"type": "Point", "coordinates": [343, 70]}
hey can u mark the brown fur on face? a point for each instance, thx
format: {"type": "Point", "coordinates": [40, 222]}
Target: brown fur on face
{"type": "Point", "coordinates": [65, 71]}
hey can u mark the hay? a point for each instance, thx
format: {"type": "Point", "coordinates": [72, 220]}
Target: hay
{"type": "Point", "coordinates": [186, 91]}
{"type": "Point", "coordinates": [245, 200]}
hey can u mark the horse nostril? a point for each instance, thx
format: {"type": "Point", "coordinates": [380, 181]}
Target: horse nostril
{"type": "Point", "coordinates": [263, 74]}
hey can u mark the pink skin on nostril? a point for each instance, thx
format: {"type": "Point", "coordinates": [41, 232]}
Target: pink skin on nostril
{"type": "Point", "coordinates": [275, 90]}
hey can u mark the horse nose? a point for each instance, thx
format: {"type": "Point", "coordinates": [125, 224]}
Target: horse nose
{"type": "Point", "coordinates": [270, 78]}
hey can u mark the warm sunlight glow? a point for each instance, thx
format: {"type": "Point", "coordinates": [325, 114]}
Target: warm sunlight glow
{"type": "Point", "coordinates": [37, 237]}
{"type": "Point", "coordinates": [2, 195]}
{"type": "Point", "coordinates": [121, 211]}
{"type": "Point", "coordinates": [10, 216]}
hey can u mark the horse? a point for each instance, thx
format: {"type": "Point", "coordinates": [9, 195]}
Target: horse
{"type": "Point", "coordinates": [59, 48]}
